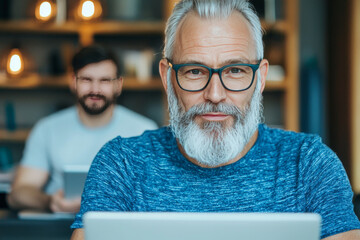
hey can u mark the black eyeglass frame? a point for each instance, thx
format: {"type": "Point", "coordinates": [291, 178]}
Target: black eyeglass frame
{"type": "Point", "coordinates": [176, 67]}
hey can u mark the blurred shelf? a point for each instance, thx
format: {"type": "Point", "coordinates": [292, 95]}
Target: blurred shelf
{"type": "Point", "coordinates": [151, 84]}
{"type": "Point", "coordinates": [114, 27]}
{"type": "Point", "coordinates": [35, 81]}
{"type": "Point", "coordinates": [279, 26]}
{"type": "Point", "coordinates": [30, 81]}
{"type": "Point", "coordinates": [19, 135]}
{"type": "Point", "coordinates": [275, 85]}
{"type": "Point", "coordinates": [105, 27]}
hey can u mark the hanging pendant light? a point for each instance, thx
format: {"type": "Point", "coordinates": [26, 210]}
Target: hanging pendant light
{"type": "Point", "coordinates": [45, 10]}
{"type": "Point", "coordinates": [89, 10]}
{"type": "Point", "coordinates": [15, 63]}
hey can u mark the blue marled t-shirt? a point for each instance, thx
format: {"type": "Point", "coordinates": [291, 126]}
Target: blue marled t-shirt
{"type": "Point", "coordinates": [283, 172]}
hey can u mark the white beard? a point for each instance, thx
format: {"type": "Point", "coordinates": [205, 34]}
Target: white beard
{"type": "Point", "coordinates": [213, 143]}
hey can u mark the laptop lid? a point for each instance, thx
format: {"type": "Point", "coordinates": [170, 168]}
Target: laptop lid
{"type": "Point", "coordinates": [195, 226]}
{"type": "Point", "coordinates": [74, 180]}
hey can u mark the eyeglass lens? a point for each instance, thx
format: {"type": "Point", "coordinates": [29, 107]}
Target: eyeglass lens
{"type": "Point", "coordinates": [235, 77]}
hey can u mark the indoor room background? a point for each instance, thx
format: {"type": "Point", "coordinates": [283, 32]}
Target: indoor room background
{"type": "Point", "coordinates": [312, 47]}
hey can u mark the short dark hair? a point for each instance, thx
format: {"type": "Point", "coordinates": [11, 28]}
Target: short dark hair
{"type": "Point", "coordinates": [93, 54]}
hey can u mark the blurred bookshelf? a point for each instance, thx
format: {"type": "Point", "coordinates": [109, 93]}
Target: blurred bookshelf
{"type": "Point", "coordinates": [137, 35]}
{"type": "Point", "coordinates": [104, 27]}
{"type": "Point", "coordinates": [43, 88]}
{"type": "Point", "coordinates": [279, 19]}
{"type": "Point", "coordinates": [16, 136]}
{"type": "Point", "coordinates": [33, 81]}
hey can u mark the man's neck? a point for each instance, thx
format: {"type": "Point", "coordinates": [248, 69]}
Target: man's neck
{"type": "Point", "coordinates": [246, 149]}
{"type": "Point", "coordinates": [94, 121]}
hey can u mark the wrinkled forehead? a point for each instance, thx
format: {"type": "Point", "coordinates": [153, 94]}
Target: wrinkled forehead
{"type": "Point", "coordinates": [226, 32]}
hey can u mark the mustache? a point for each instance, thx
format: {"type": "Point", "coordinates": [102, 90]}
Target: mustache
{"type": "Point", "coordinates": [207, 107]}
{"type": "Point", "coordinates": [94, 95]}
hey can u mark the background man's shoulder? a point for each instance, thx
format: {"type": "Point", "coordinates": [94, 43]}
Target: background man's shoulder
{"type": "Point", "coordinates": [132, 117]}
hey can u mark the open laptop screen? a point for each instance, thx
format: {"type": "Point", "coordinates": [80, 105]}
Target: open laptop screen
{"type": "Point", "coordinates": [195, 226]}
{"type": "Point", "coordinates": [74, 180]}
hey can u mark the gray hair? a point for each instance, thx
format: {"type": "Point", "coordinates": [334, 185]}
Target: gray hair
{"type": "Point", "coordinates": [212, 9]}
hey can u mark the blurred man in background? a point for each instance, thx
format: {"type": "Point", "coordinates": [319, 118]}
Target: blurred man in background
{"type": "Point", "coordinates": [74, 135]}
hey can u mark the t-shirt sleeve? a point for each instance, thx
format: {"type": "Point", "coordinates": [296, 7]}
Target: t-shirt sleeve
{"type": "Point", "coordinates": [36, 149]}
{"type": "Point", "coordinates": [327, 188]}
{"type": "Point", "coordinates": [108, 186]}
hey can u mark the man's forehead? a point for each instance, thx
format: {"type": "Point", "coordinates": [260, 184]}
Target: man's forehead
{"type": "Point", "coordinates": [235, 20]}
{"type": "Point", "coordinates": [203, 36]}
{"type": "Point", "coordinates": [102, 68]}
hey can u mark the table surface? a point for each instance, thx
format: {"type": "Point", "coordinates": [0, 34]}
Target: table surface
{"type": "Point", "coordinates": [13, 227]}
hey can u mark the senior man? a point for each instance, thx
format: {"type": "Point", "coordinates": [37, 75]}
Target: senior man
{"type": "Point", "coordinates": [216, 156]}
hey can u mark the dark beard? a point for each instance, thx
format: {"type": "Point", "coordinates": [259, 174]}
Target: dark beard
{"type": "Point", "coordinates": [94, 110]}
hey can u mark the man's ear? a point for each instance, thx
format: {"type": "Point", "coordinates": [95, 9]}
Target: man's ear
{"type": "Point", "coordinates": [119, 85]}
{"type": "Point", "coordinates": [163, 70]}
{"type": "Point", "coordinates": [264, 68]}
{"type": "Point", "coordinates": [72, 83]}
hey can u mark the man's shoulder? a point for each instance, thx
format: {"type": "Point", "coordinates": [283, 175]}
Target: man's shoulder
{"type": "Point", "coordinates": [131, 116]}
{"type": "Point", "coordinates": [289, 142]}
{"type": "Point", "coordinates": [149, 137]}
{"type": "Point", "coordinates": [148, 143]}
{"type": "Point", "coordinates": [293, 149]}
{"type": "Point", "coordinates": [59, 118]}
{"type": "Point", "coordinates": [282, 136]}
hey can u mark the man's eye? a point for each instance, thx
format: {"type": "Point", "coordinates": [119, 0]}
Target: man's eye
{"type": "Point", "coordinates": [235, 70]}
{"type": "Point", "coordinates": [194, 71]}
{"type": "Point", "coordinates": [105, 80]}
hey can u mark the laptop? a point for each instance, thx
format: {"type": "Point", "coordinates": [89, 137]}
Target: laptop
{"type": "Point", "coordinates": [195, 226]}
{"type": "Point", "coordinates": [74, 177]}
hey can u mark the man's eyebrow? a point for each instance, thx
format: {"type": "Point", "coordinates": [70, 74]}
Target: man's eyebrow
{"type": "Point", "coordinates": [227, 62]}
{"type": "Point", "coordinates": [235, 61]}
{"type": "Point", "coordinates": [100, 78]}
{"type": "Point", "coordinates": [190, 62]}
{"type": "Point", "coordinates": [84, 77]}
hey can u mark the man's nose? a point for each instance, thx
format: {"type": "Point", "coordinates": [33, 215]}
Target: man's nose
{"type": "Point", "coordinates": [215, 91]}
{"type": "Point", "coordinates": [95, 86]}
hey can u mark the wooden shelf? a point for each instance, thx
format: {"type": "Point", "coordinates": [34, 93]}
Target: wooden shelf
{"type": "Point", "coordinates": [106, 27]}
{"type": "Point", "coordinates": [35, 81]}
{"type": "Point", "coordinates": [275, 85]}
{"type": "Point", "coordinates": [115, 27]}
{"type": "Point", "coordinates": [151, 84]}
{"type": "Point", "coordinates": [279, 26]}
{"type": "Point", "coordinates": [18, 136]}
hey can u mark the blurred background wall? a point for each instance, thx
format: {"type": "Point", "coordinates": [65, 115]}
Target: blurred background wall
{"type": "Point", "coordinates": [309, 43]}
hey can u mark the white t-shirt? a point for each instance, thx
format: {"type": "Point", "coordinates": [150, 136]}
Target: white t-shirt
{"type": "Point", "coordinates": [61, 139]}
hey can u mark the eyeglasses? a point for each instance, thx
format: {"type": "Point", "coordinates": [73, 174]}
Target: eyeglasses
{"type": "Point", "coordinates": [88, 80]}
{"type": "Point", "coordinates": [195, 77]}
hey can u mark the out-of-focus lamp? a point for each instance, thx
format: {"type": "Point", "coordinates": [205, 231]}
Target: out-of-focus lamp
{"type": "Point", "coordinates": [15, 63]}
{"type": "Point", "coordinates": [89, 10]}
{"type": "Point", "coordinates": [45, 10]}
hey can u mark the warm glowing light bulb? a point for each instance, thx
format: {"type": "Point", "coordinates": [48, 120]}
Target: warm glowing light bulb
{"type": "Point", "coordinates": [15, 64]}
{"type": "Point", "coordinates": [88, 9]}
{"type": "Point", "coordinates": [45, 9]}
